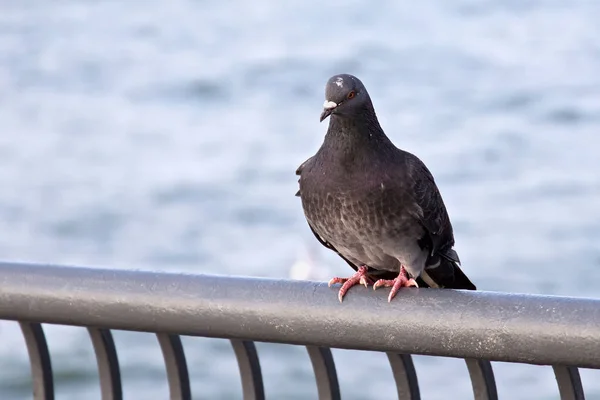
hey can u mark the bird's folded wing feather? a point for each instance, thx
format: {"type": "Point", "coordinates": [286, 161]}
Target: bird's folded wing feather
{"type": "Point", "coordinates": [432, 213]}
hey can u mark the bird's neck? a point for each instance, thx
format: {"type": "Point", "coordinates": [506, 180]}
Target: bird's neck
{"type": "Point", "coordinates": [355, 140]}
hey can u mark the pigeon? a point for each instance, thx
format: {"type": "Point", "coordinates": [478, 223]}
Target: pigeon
{"type": "Point", "coordinates": [377, 206]}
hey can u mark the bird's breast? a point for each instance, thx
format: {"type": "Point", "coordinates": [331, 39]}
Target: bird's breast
{"type": "Point", "coordinates": [372, 213]}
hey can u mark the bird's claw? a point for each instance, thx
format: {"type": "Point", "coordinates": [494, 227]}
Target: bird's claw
{"type": "Point", "coordinates": [359, 277]}
{"type": "Point", "coordinates": [335, 280]}
{"type": "Point", "coordinates": [402, 280]}
{"type": "Point", "coordinates": [364, 281]}
{"type": "Point", "coordinates": [387, 283]}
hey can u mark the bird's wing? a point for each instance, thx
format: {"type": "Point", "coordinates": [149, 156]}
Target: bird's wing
{"type": "Point", "coordinates": [301, 167]}
{"type": "Point", "coordinates": [430, 211]}
{"type": "Point", "coordinates": [443, 265]}
{"type": "Point", "coordinates": [299, 171]}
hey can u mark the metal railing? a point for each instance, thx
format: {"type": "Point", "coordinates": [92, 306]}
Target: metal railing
{"type": "Point", "coordinates": [477, 326]}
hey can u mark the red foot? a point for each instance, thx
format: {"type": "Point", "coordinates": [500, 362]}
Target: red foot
{"type": "Point", "coordinates": [401, 281]}
{"type": "Point", "coordinates": [359, 277]}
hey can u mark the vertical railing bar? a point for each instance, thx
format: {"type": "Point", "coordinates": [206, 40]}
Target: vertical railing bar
{"type": "Point", "coordinates": [39, 358]}
{"type": "Point", "coordinates": [323, 365]}
{"type": "Point", "coordinates": [482, 379]}
{"type": "Point", "coordinates": [569, 383]}
{"type": "Point", "coordinates": [405, 376]}
{"type": "Point", "coordinates": [176, 366]}
{"type": "Point", "coordinates": [108, 364]}
{"type": "Point", "coordinates": [250, 372]}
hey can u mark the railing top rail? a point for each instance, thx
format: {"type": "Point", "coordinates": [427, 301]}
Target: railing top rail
{"type": "Point", "coordinates": [485, 325]}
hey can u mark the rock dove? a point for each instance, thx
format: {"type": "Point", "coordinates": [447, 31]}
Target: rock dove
{"type": "Point", "coordinates": [375, 205]}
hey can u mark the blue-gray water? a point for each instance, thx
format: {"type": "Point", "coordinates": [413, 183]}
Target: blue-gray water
{"type": "Point", "coordinates": [165, 134]}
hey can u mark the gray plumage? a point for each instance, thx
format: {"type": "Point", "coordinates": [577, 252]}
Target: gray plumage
{"type": "Point", "coordinates": [372, 203]}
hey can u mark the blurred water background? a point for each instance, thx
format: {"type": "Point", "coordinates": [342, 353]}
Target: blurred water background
{"type": "Point", "coordinates": [164, 135]}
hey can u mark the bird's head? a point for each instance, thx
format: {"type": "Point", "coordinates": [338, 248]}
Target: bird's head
{"type": "Point", "coordinates": [344, 93]}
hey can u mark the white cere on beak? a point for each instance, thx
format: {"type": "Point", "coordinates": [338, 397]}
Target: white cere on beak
{"type": "Point", "coordinates": [328, 105]}
{"type": "Point", "coordinates": [339, 81]}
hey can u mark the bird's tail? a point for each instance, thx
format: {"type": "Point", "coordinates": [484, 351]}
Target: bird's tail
{"type": "Point", "coordinates": [447, 274]}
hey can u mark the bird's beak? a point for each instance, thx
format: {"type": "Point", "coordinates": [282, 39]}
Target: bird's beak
{"type": "Point", "coordinates": [328, 108]}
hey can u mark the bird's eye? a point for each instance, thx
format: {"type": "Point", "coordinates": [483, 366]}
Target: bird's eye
{"type": "Point", "coordinates": [351, 95]}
